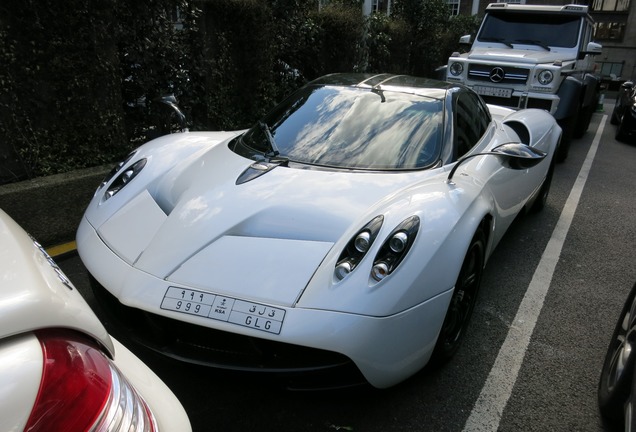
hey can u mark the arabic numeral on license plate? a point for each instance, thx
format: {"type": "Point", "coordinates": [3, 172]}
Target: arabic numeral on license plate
{"type": "Point", "coordinates": [185, 306]}
{"type": "Point", "coordinates": [188, 306]}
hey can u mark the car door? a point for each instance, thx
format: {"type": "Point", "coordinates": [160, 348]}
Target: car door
{"type": "Point", "coordinates": [473, 133]}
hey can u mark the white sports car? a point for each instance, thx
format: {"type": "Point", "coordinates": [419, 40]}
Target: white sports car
{"type": "Point", "coordinates": [59, 368]}
{"type": "Point", "coordinates": [346, 230]}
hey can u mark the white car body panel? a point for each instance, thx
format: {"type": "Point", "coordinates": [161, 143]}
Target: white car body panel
{"type": "Point", "coordinates": [275, 241]}
{"type": "Point", "coordinates": [20, 372]}
{"type": "Point", "coordinates": [33, 295]}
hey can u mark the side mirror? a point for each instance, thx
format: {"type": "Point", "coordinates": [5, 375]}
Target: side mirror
{"type": "Point", "coordinates": [592, 49]}
{"type": "Point", "coordinates": [465, 40]}
{"type": "Point", "coordinates": [171, 102]}
{"type": "Point", "coordinates": [516, 156]}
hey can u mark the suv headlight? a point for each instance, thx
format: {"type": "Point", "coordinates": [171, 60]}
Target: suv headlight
{"type": "Point", "coordinates": [545, 77]}
{"type": "Point", "coordinates": [456, 68]}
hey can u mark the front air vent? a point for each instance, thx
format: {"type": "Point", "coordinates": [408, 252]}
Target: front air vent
{"type": "Point", "coordinates": [520, 129]}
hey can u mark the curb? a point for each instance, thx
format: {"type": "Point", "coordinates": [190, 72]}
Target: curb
{"type": "Point", "coordinates": [50, 208]}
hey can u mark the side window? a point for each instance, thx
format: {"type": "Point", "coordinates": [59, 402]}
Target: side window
{"type": "Point", "coordinates": [470, 123]}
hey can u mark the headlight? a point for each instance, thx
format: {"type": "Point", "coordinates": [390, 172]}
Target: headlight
{"type": "Point", "coordinates": [126, 176]}
{"type": "Point", "coordinates": [456, 68]}
{"type": "Point", "coordinates": [395, 248]}
{"type": "Point", "coordinates": [363, 241]}
{"type": "Point", "coordinates": [357, 248]}
{"type": "Point", "coordinates": [116, 169]}
{"type": "Point", "coordinates": [545, 77]}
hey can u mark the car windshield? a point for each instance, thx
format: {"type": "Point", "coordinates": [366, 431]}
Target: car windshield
{"type": "Point", "coordinates": [546, 30]}
{"type": "Point", "coordinates": [351, 128]}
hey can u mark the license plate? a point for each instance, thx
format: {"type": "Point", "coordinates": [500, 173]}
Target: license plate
{"type": "Point", "coordinates": [493, 91]}
{"type": "Point", "coordinates": [221, 308]}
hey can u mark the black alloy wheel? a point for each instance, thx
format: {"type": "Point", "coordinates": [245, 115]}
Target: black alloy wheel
{"type": "Point", "coordinates": [618, 368]}
{"type": "Point", "coordinates": [462, 302]}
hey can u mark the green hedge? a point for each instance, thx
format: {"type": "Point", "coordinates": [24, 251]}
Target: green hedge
{"type": "Point", "coordinates": [79, 79]}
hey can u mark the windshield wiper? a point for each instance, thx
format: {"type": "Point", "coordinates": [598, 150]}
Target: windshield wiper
{"type": "Point", "coordinates": [496, 39]}
{"type": "Point", "coordinates": [270, 140]}
{"type": "Point", "coordinates": [272, 156]}
{"type": "Point", "coordinates": [532, 42]}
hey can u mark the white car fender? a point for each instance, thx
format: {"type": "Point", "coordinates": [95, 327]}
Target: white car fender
{"type": "Point", "coordinates": [35, 294]}
{"type": "Point", "coordinates": [441, 242]}
{"type": "Point", "coordinates": [162, 154]}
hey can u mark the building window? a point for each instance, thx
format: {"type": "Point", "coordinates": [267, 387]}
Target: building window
{"type": "Point", "coordinates": [612, 70]}
{"type": "Point", "coordinates": [453, 6]}
{"type": "Point", "coordinates": [381, 6]}
{"type": "Point", "coordinates": [610, 5]}
{"type": "Point", "coordinates": [609, 31]}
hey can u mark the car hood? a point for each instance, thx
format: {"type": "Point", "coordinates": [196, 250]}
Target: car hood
{"type": "Point", "coordinates": [35, 294]}
{"type": "Point", "coordinates": [262, 239]}
{"type": "Point", "coordinates": [516, 55]}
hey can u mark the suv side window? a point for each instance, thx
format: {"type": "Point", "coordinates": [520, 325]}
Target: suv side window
{"type": "Point", "coordinates": [470, 123]}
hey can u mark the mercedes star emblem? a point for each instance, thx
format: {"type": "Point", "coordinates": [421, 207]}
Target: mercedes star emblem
{"type": "Point", "coordinates": [497, 74]}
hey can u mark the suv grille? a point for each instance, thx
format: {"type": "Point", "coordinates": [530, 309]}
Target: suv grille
{"type": "Point", "coordinates": [498, 74]}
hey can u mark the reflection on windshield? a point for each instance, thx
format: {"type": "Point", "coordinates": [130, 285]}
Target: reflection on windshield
{"type": "Point", "coordinates": [543, 30]}
{"type": "Point", "coordinates": [357, 128]}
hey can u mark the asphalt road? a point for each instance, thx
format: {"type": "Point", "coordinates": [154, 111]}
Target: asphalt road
{"type": "Point", "coordinates": [583, 281]}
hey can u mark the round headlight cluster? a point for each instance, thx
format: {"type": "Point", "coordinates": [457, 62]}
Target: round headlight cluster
{"type": "Point", "coordinates": [124, 178]}
{"type": "Point", "coordinates": [395, 248]}
{"type": "Point", "coordinates": [398, 241]}
{"type": "Point", "coordinates": [116, 169]}
{"type": "Point", "coordinates": [363, 241]}
{"type": "Point", "coordinates": [380, 271]}
{"type": "Point", "coordinates": [545, 77]}
{"type": "Point", "coordinates": [389, 255]}
{"type": "Point", "coordinates": [456, 68]}
{"type": "Point", "coordinates": [343, 269]}
{"type": "Point", "coordinates": [357, 248]}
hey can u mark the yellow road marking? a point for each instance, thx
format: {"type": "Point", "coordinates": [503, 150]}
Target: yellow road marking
{"type": "Point", "coordinates": [58, 250]}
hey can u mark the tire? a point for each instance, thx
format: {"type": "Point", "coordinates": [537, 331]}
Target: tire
{"type": "Point", "coordinates": [621, 133]}
{"type": "Point", "coordinates": [618, 368]}
{"type": "Point", "coordinates": [542, 197]}
{"type": "Point", "coordinates": [584, 119]}
{"type": "Point", "coordinates": [462, 301]}
{"type": "Point", "coordinates": [567, 126]}
{"type": "Point", "coordinates": [614, 119]}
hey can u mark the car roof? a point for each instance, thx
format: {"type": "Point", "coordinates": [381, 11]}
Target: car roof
{"type": "Point", "coordinates": [400, 83]}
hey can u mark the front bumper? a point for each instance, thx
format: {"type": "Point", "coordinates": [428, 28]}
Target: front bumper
{"type": "Point", "coordinates": [386, 350]}
{"type": "Point", "coordinates": [522, 100]}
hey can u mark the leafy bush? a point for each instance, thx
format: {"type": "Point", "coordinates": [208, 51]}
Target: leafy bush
{"type": "Point", "coordinates": [80, 79]}
{"type": "Point", "coordinates": [59, 89]}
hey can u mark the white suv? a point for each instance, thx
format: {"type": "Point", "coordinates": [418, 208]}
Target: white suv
{"type": "Point", "coordinates": [534, 56]}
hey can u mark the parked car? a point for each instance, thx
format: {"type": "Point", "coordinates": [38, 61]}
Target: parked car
{"type": "Point", "coordinates": [347, 230]}
{"type": "Point", "coordinates": [59, 368]}
{"type": "Point", "coordinates": [617, 387]}
{"type": "Point", "coordinates": [624, 113]}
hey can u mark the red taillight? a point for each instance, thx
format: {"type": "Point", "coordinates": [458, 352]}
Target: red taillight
{"type": "Point", "coordinates": [81, 388]}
